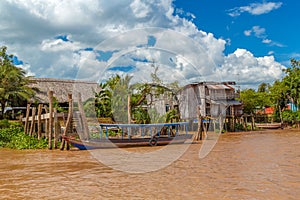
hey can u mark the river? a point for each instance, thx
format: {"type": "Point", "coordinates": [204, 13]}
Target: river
{"type": "Point", "coordinates": [252, 165]}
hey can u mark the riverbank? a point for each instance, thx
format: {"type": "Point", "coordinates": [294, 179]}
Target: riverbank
{"type": "Point", "coordinates": [247, 165]}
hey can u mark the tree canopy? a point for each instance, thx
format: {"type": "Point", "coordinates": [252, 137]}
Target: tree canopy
{"type": "Point", "coordinates": [13, 81]}
{"type": "Point", "coordinates": [277, 95]}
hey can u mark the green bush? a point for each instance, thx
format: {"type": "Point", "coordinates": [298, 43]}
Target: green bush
{"type": "Point", "coordinates": [289, 116]}
{"type": "Point", "coordinates": [23, 141]}
{"type": "Point", "coordinates": [4, 123]}
{"type": "Point", "coordinates": [14, 137]}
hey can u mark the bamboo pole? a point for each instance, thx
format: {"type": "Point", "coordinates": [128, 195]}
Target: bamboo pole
{"type": "Point", "coordinates": [32, 121]}
{"type": "Point", "coordinates": [68, 123]}
{"type": "Point", "coordinates": [39, 133]}
{"type": "Point", "coordinates": [27, 118]}
{"type": "Point", "coordinates": [83, 118]}
{"type": "Point", "coordinates": [50, 97]}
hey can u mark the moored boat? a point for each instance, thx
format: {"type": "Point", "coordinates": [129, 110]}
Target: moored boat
{"type": "Point", "coordinates": [125, 142]}
{"type": "Point", "coordinates": [269, 125]}
{"type": "Point", "coordinates": [163, 137]}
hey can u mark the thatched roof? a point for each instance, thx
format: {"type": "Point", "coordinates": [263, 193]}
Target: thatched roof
{"type": "Point", "coordinates": [61, 88]}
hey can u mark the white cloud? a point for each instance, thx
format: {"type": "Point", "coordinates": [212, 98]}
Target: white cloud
{"type": "Point", "coordinates": [270, 52]}
{"type": "Point", "coordinates": [59, 45]}
{"type": "Point", "coordinates": [260, 33]}
{"type": "Point", "coordinates": [250, 71]}
{"type": "Point", "coordinates": [266, 41]}
{"type": "Point", "coordinates": [247, 32]}
{"type": "Point", "coordinates": [255, 8]}
{"type": "Point", "coordinates": [140, 9]}
{"type": "Point", "coordinates": [91, 25]}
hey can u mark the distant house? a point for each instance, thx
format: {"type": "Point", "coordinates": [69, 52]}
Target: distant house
{"type": "Point", "coordinates": [213, 98]}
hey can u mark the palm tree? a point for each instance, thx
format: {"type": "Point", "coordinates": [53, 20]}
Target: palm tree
{"type": "Point", "coordinates": [13, 82]}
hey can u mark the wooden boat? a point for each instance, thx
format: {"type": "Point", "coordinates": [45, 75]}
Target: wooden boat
{"type": "Point", "coordinates": [268, 125]}
{"type": "Point", "coordinates": [121, 143]}
{"type": "Point", "coordinates": [129, 140]}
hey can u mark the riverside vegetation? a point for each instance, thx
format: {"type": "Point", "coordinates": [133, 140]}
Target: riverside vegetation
{"type": "Point", "coordinates": [12, 136]}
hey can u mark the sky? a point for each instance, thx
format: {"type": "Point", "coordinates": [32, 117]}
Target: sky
{"type": "Point", "coordinates": [249, 41]}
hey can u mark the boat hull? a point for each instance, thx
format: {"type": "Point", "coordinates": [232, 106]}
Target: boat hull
{"type": "Point", "coordinates": [269, 126]}
{"type": "Point", "coordinates": [122, 143]}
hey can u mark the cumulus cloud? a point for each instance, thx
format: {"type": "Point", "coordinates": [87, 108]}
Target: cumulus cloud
{"type": "Point", "coordinates": [249, 70]}
{"type": "Point", "coordinates": [255, 8]}
{"type": "Point", "coordinates": [68, 39]}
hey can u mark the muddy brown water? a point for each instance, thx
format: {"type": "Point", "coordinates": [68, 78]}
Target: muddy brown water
{"type": "Point", "coordinates": [256, 165]}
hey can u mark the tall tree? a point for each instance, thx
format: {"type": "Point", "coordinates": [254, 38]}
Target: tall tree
{"type": "Point", "coordinates": [13, 82]}
{"type": "Point", "coordinates": [292, 82]}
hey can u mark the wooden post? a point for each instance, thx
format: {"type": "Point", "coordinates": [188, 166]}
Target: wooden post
{"type": "Point", "coordinates": [200, 127]}
{"type": "Point", "coordinates": [56, 130]}
{"type": "Point", "coordinates": [128, 113]}
{"type": "Point", "coordinates": [39, 133]}
{"type": "Point", "coordinates": [252, 122]}
{"type": "Point", "coordinates": [50, 97]}
{"type": "Point", "coordinates": [128, 109]}
{"type": "Point", "coordinates": [32, 121]}
{"type": "Point", "coordinates": [85, 127]}
{"type": "Point", "coordinates": [27, 118]}
{"type": "Point", "coordinates": [68, 123]}
{"type": "Point", "coordinates": [232, 119]}
{"type": "Point", "coordinates": [46, 122]}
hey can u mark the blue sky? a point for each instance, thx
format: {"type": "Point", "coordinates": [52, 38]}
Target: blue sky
{"type": "Point", "coordinates": [280, 26]}
{"type": "Point", "coordinates": [196, 40]}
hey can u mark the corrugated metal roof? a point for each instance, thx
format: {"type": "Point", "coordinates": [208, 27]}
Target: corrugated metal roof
{"type": "Point", "coordinates": [219, 87]}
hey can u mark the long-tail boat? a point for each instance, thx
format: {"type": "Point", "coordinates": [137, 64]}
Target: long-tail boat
{"type": "Point", "coordinates": [168, 134]}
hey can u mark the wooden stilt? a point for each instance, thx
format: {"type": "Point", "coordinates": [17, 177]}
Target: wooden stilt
{"type": "Point", "coordinates": [39, 133]}
{"type": "Point", "coordinates": [27, 118]}
{"type": "Point", "coordinates": [68, 123]}
{"type": "Point", "coordinates": [200, 125]}
{"type": "Point", "coordinates": [50, 97]}
{"type": "Point", "coordinates": [32, 121]}
{"type": "Point", "coordinates": [56, 131]}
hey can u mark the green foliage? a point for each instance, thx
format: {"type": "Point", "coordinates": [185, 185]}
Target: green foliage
{"type": "Point", "coordinates": [292, 82]}
{"type": "Point", "coordinates": [141, 116]}
{"type": "Point", "coordinates": [13, 83]}
{"type": "Point", "coordinates": [253, 100]}
{"type": "Point", "coordinates": [89, 108]}
{"type": "Point", "coordinates": [172, 115]}
{"type": "Point", "coordinates": [290, 116]}
{"type": "Point", "coordinates": [102, 99]}
{"type": "Point", "coordinates": [4, 123]}
{"type": "Point", "coordinates": [22, 141]}
{"type": "Point", "coordinates": [56, 105]}
{"type": "Point", "coordinates": [112, 100]}
{"type": "Point", "coordinates": [14, 137]}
